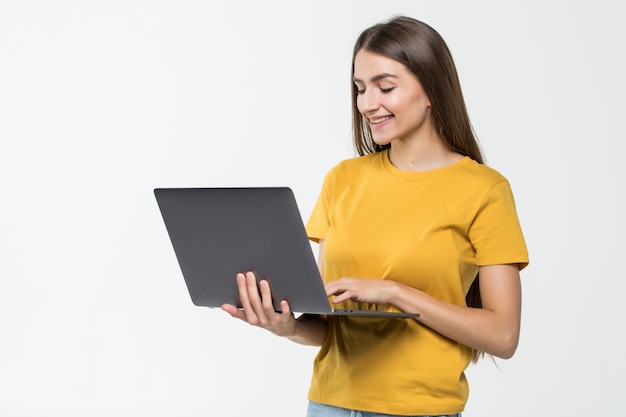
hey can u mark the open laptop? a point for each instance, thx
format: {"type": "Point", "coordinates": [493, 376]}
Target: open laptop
{"type": "Point", "coordinates": [218, 232]}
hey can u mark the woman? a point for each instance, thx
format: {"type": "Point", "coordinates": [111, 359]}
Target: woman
{"type": "Point", "coordinates": [410, 224]}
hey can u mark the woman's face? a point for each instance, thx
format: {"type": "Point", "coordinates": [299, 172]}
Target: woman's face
{"type": "Point", "coordinates": [390, 98]}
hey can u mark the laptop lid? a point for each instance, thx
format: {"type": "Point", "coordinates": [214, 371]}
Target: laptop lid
{"type": "Point", "coordinates": [218, 232]}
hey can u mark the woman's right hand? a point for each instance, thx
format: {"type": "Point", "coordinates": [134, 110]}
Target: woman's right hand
{"type": "Point", "coordinates": [258, 309]}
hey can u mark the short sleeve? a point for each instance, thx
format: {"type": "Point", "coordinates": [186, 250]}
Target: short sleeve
{"type": "Point", "coordinates": [319, 220]}
{"type": "Point", "coordinates": [495, 232]}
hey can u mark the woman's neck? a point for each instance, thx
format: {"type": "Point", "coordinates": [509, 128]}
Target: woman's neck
{"type": "Point", "coordinates": [422, 155]}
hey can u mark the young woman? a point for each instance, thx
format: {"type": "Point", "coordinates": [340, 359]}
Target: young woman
{"type": "Point", "coordinates": [410, 224]}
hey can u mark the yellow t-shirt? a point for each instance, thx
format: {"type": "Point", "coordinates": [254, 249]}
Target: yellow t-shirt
{"type": "Point", "coordinates": [430, 230]}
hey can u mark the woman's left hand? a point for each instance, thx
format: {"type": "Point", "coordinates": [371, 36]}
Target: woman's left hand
{"type": "Point", "coordinates": [362, 290]}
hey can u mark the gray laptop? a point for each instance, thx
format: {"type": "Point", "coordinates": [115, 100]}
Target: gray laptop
{"type": "Point", "coordinates": [218, 232]}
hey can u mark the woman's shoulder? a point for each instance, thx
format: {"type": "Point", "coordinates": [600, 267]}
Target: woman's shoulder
{"type": "Point", "coordinates": [347, 170]}
{"type": "Point", "coordinates": [482, 173]}
{"type": "Point", "coordinates": [359, 162]}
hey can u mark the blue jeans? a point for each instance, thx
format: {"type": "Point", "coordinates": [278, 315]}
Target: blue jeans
{"type": "Point", "coordinates": [322, 410]}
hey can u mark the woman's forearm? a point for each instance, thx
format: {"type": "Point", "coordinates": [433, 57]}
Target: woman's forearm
{"type": "Point", "coordinates": [310, 330]}
{"type": "Point", "coordinates": [494, 328]}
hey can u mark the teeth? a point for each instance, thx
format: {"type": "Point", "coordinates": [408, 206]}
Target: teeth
{"type": "Point", "coordinates": [380, 119]}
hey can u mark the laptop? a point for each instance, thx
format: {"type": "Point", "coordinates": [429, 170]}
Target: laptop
{"type": "Point", "coordinates": [218, 232]}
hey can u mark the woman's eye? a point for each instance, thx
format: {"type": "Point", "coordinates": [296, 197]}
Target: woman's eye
{"type": "Point", "coordinates": [382, 90]}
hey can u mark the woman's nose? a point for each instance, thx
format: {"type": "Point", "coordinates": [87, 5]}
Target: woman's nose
{"type": "Point", "coordinates": [369, 101]}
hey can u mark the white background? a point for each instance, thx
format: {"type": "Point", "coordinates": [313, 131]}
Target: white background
{"type": "Point", "coordinates": [102, 101]}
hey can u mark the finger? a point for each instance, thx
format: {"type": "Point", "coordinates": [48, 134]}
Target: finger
{"type": "Point", "coordinates": [268, 305]}
{"type": "Point", "coordinates": [266, 296]}
{"type": "Point", "coordinates": [339, 298]}
{"type": "Point", "coordinates": [331, 288]}
{"type": "Point", "coordinates": [234, 312]}
{"type": "Point", "coordinates": [339, 290]}
{"type": "Point", "coordinates": [254, 297]}
{"type": "Point", "coordinates": [286, 310]}
{"type": "Point", "coordinates": [244, 297]}
{"type": "Point", "coordinates": [336, 288]}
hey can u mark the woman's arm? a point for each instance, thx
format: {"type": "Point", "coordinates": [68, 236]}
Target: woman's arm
{"type": "Point", "coordinates": [493, 329]}
{"type": "Point", "coordinates": [311, 329]}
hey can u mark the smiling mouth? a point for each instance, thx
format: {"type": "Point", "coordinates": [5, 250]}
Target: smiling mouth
{"type": "Point", "coordinates": [379, 120]}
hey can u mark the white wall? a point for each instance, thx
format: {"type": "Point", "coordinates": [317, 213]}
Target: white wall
{"type": "Point", "coordinates": [102, 101]}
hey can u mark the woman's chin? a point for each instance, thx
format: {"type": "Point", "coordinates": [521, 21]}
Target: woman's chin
{"type": "Point", "coordinates": [381, 141]}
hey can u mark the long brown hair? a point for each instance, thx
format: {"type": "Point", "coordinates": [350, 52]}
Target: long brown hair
{"type": "Point", "coordinates": [422, 50]}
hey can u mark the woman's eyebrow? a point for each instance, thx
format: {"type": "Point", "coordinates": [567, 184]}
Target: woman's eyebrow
{"type": "Point", "coordinates": [376, 77]}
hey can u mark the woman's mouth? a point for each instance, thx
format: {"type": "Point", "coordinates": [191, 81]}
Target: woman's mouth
{"type": "Point", "coordinates": [377, 121]}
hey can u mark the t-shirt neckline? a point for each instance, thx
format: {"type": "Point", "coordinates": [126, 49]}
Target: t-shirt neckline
{"type": "Point", "coordinates": [420, 175]}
